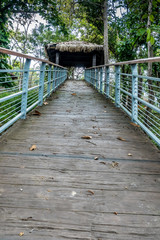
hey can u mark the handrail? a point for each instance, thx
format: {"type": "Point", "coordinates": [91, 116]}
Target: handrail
{"type": "Point", "coordinates": [143, 60]}
{"type": "Point", "coordinates": [23, 89]}
{"type": "Point", "coordinates": [17, 54]}
{"type": "Point", "coordinates": [137, 95]}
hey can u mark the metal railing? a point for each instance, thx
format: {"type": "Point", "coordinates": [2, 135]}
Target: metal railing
{"type": "Point", "coordinates": [23, 89]}
{"type": "Point", "coordinates": [138, 95]}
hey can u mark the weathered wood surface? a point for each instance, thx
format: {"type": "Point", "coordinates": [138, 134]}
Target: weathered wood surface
{"type": "Point", "coordinates": [59, 191]}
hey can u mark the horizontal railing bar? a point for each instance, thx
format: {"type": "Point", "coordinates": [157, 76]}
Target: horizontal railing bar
{"type": "Point", "coordinates": [149, 105]}
{"type": "Point", "coordinates": [32, 88]}
{"type": "Point", "coordinates": [8, 124]}
{"type": "Point", "coordinates": [149, 78]}
{"type": "Point", "coordinates": [140, 76]}
{"type": "Point", "coordinates": [32, 106]}
{"type": "Point", "coordinates": [10, 71]}
{"type": "Point", "coordinates": [125, 109]}
{"type": "Point", "coordinates": [124, 91]}
{"type": "Point", "coordinates": [13, 53]}
{"type": "Point", "coordinates": [10, 96]}
{"type": "Point", "coordinates": [143, 60]}
{"type": "Point", "coordinates": [148, 131]}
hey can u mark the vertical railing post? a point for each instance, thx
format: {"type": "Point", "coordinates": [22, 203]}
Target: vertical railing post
{"type": "Point", "coordinates": [101, 74]}
{"type": "Point", "coordinates": [62, 75]}
{"type": "Point", "coordinates": [54, 79]}
{"type": "Point", "coordinates": [57, 77]}
{"type": "Point", "coordinates": [92, 76]}
{"type": "Point", "coordinates": [97, 76]}
{"type": "Point", "coordinates": [134, 92]}
{"type": "Point", "coordinates": [107, 81]}
{"type": "Point", "coordinates": [49, 80]}
{"type": "Point", "coordinates": [117, 86]}
{"type": "Point", "coordinates": [41, 83]}
{"type": "Point", "coordinates": [25, 88]}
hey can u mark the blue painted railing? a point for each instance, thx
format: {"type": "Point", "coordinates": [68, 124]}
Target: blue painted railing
{"type": "Point", "coordinates": [138, 95]}
{"type": "Point", "coordinates": [23, 89]}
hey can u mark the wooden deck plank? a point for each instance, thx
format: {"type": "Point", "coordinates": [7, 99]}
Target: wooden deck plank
{"type": "Point", "coordinates": [59, 191]}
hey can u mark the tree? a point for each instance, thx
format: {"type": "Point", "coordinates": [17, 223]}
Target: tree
{"type": "Point", "coordinates": [105, 20]}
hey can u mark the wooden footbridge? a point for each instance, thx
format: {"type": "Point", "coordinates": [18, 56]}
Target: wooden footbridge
{"type": "Point", "coordinates": [78, 166]}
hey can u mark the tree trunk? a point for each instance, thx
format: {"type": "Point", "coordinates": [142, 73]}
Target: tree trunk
{"type": "Point", "coordinates": [150, 54]}
{"type": "Point", "coordinates": [105, 19]}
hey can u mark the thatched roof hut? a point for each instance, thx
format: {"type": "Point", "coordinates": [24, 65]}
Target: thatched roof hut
{"type": "Point", "coordinates": [75, 53]}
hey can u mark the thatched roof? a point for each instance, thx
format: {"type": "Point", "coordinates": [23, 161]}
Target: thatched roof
{"type": "Point", "coordinates": [75, 46]}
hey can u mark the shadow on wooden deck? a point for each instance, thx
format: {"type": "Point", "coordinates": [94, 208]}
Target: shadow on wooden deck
{"type": "Point", "coordinates": [59, 191]}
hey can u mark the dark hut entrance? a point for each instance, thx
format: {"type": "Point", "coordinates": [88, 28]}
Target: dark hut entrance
{"type": "Point", "coordinates": [75, 54]}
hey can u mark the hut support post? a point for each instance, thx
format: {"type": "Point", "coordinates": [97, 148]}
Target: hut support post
{"type": "Point", "coordinates": [57, 58]}
{"type": "Point", "coordinates": [94, 60]}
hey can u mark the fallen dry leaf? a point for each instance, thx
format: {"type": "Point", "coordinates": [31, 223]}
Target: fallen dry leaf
{"type": "Point", "coordinates": [114, 164]}
{"type": "Point", "coordinates": [45, 103]}
{"type": "Point", "coordinates": [129, 154]}
{"type": "Point", "coordinates": [96, 158]}
{"type": "Point", "coordinates": [115, 213]}
{"type": "Point", "coordinates": [103, 163]}
{"type": "Point", "coordinates": [86, 137]}
{"type": "Point", "coordinates": [94, 120]}
{"type": "Point", "coordinates": [33, 148]}
{"type": "Point", "coordinates": [27, 219]}
{"type": "Point", "coordinates": [121, 139]}
{"type": "Point", "coordinates": [21, 234]}
{"type": "Point", "coordinates": [73, 94]}
{"type": "Point", "coordinates": [134, 124]}
{"type": "Point", "coordinates": [36, 113]}
{"type": "Point", "coordinates": [91, 192]}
